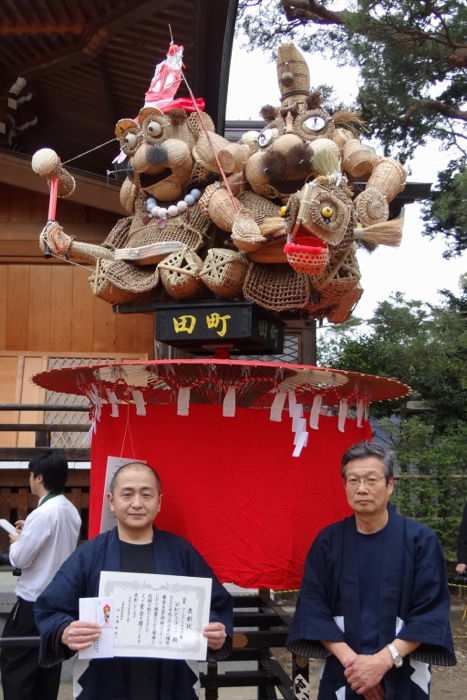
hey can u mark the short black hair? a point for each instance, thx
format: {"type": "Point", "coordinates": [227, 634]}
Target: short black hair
{"type": "Point", "coordinates": [53, 468]}
{"type": "Point", "coordinates": [113, 481]}
{"type": "Point", "coordinates": [370, 448]}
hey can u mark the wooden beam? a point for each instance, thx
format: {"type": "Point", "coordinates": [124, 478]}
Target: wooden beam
{"type": "Point", "coordinates": [96, 38]}
{"type": "Point", "coordinates": [33, 29]}
{"type": "Point", "coordinates": [92, 191]}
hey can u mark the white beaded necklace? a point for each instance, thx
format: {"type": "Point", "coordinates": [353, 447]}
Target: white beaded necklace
{"type": "Point", "coordinates": [157, 212]}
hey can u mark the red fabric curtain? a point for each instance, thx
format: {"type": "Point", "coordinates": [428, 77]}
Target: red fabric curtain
{"type": "Point", "coordinates": [231, 486]}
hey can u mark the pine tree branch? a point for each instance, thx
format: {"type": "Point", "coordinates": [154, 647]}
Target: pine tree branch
{"type": "Point", "coordinates": [311, 11]}
{"type": "Point", "coordinates": [436, 106]}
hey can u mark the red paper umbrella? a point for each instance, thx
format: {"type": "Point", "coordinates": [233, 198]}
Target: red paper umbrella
{"type": "Point", "coordinates": [248, 452]}
{"type": "Point", "coordinates": [255, 383]}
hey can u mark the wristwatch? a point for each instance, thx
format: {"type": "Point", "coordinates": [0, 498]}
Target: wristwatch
{"type": "Point", "coordinates": [396, 657]}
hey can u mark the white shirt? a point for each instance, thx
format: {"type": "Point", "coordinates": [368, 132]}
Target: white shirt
{"type": "Point", "coordinates": [49, 535]}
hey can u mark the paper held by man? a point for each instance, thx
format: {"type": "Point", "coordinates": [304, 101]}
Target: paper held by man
{"type": "Point", "coordinates": [149, 615]}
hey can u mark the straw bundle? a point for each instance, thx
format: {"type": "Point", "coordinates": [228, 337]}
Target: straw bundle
{"type": "Point", "coordinates": [223, 272]}
{"type": "Point", "coordinates": [386, 233]}
{"type": "Point", "coordinates": [179, 274]}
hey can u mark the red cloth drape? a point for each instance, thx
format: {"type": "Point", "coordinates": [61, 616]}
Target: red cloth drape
{"type": "Point", "coordinates": [231, 485]}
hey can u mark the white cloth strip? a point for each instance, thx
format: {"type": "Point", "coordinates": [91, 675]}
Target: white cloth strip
{"type": "Point", "coordinates": [360, 412]}
{"type": "Point", "coordinates": [140, 403]}
{"type": "Point", "coordinates": [298, 425]}
{"type": "Point", "coordinates": [112, 398]}
{"type": "Point", "coordinates": [277, 407]}
{"type": "Point", "coordinates": [297, 411]}
{"type": "Point", "coordinates": [292, 402]}
{"type": "Point", "coordinates": [342, 416]}
{"type": "Point", "coordinates": [315, 411]}
{"type": "Point", "coordinates": [183, 401]}
{"type": "Point", "coordinates": [229, 403]}
{"type": "Point", "coordinates": [301, 442]}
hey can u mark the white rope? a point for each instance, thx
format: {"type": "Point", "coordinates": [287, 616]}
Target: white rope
{"type": "Point", "coordinates": [85, 153]}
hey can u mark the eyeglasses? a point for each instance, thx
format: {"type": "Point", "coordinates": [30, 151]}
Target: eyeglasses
{"type": "Point", "coordinates": [353, 482]}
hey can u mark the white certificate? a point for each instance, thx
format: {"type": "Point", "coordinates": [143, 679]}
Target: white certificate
{"type": "Point", "coordinates": [157, 615]}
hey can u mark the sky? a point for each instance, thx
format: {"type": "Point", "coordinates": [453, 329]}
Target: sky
{"type": "Point", "coordinates": [417, 268]}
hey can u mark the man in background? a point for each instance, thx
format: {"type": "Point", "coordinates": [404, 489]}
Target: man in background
{"type": "Point", "coordinates": [461, 566]}
{"type": "Point", "coordinates": [42, 543]}
{"type": "Point", "coordinates": [374, 599]}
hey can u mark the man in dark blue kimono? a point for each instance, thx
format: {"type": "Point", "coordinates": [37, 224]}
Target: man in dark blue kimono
{"type": "Point", "coordinates": [374, 599]}
{"type": "Point", "coordinates": [134, 545]}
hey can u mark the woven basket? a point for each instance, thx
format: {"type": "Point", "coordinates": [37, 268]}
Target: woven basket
{"type": "Point", "coordinates": [270, 253]}
{"type": "Point", "coordinates": [190, 228]}
{"type": "Point", "coordinates": [344, 309]}
{"type": "Point", "coordinates": [224, 271]}
{"type": "Point", "coordinates": [246, 234]}
{"type": "Point", "coordinates": [388, 177]}
{"type": "Point", "coordinates": [358, 159]}
{"type": "Point", "coordinates": [118, 235]}
{"type": "Point", "coordinates": [341, 279]}
{"type": "Point", "coordinates": [118, 282]}
{"type": "Point", "coordinates": [307, 254]}
{"type": "Point", "coordinates": [276, 287]}
{"type": "Point", "coordinates": [179, 274]}
{"type": "Point", "coordinates": [371, 207]}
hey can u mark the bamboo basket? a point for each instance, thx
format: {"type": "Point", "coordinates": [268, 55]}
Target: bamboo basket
{"type": "Point", "coordinates": [179, 274]}
{"type": "Point", "coordinates": [276, 287]}
{"type": "Point", "coordinates": [307, 254]}
{"type": "Point", "coordinates": [270, 253]}
{"type": "Point", "coordinates": [118, 282]}
{"type": "Point", "coordinates": [358, 159]}
{"type": "Point", "coordinates": [223, 272]}
{"type": "Point", "coordinates": [344, 309]}
{"type": "Point", "coordinates": [190, 228]}
{"type": "Point", "coordinates": [388, 177]}
{"type": "Point", "coordinates": [341, 279]}
{"type": "Point", "coordinates": [371, 206]}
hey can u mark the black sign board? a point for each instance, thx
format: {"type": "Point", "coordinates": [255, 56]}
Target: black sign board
{"type": "Point", "coordinates": [243, 327]}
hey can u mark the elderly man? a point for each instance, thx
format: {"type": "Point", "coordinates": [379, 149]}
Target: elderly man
{"type": "Point", "coordinates": [374, 599]}
{"type": "Point", "coordinates": [134, 545]}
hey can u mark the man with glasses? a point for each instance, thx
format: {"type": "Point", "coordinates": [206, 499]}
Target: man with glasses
{"type": "Point", "coordinates": [374, 599]}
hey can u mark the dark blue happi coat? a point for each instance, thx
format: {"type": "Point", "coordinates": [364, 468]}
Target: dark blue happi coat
{"type": "Point", "coordinates": [414, 605]}
{"type": "Point", "coordinates": [78, 578]}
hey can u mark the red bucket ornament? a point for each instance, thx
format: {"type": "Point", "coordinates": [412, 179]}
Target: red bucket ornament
{"type": "Point", "coordinates": [307, 253]}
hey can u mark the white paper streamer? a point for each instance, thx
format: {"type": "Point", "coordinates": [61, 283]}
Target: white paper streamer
{"type": "Point", "coordinates": [300, 443]}
{"type": "Point", "coordinates": [342, 416]}
{"type": "Point", "coordinates": [297, 411]}
{"type": "Point", "coordinates": [183, 401]}
{"type": "Point", "coordinates": [140, 403]}
{"type": "Point", "coordinates": [112, 397]}
{"type": "Point", "coordinates": [298, 425]}
{"type": "Point", "coordinates": [229, 404]}
{"type": "Point", "coordinates": [360, 412]}
{"type": "Point", "coordinates": [315, 411]}
{"type": "Point", "coordinates": [292, 402]}
{"type": "Point", "coordinates": [277, 407]}
{"type": "Point", "coordinates": [95, 399]}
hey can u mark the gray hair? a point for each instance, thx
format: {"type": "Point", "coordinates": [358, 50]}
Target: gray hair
{"type": "Point", "coordinates": [370, 448]}
{"type": "Point", "coordinates": [113, 482]}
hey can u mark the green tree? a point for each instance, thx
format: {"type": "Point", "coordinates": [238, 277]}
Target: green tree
{"type": "Point", "coordinates": [412, 57]}
{"type": "Point", "coordinates": [426, 347]}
